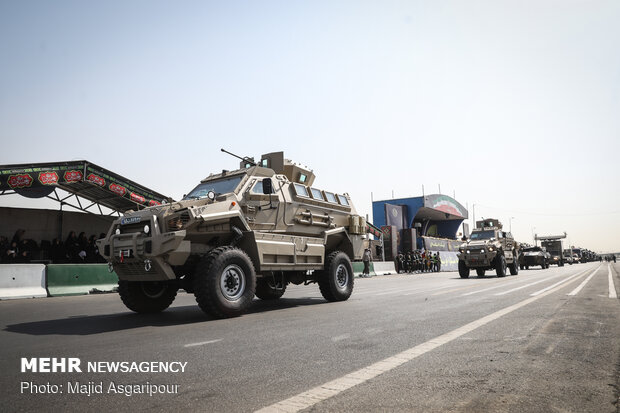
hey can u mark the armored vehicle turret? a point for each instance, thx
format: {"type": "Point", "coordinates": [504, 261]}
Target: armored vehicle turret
{"type": "Point", "coordinates": [237, 234]}
{"type": "Point", "coordinates": [489, 247]}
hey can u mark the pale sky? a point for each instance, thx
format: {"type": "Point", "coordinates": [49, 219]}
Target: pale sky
{"type": "Point", "coordinates": [510, 105]}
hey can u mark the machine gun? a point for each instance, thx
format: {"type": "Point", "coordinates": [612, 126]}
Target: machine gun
{"type": "Point", "coordinates": [246, 159]}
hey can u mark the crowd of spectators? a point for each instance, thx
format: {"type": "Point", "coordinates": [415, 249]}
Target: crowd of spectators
{"type": "Point", "coordinates": [76, 249]}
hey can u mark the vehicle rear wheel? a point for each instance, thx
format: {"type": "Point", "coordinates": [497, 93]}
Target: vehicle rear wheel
{"type": "Point", "coordinates": [480, 272]}
{"type": "Point", "coordinates": [463, 269]}
{"type": "Point", "coordinates": [267, 290]}
{"type": "Point", "coordinates": [514, 267]}
{"type": "Point", "coordinates": [147, 296]}
{"type": "Point", "coordinates": [225, 282]}
{"type": "Point", "coordinates": [500, 266]}
{"type": "Point", "coordinates": [336, 280]}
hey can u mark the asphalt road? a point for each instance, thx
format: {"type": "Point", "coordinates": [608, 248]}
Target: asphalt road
{"type": "Point", "coordinates": [541, 341]}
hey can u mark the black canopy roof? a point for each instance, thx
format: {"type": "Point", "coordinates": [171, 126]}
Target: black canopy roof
{"type": "Point", "coordinates": [80, 179]}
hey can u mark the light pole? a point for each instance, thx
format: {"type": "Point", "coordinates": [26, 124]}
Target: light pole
{"type": "Point", "coordinates": [510, 224]}
{"type": "Point", "coordinates": [473, 207]}
{"type": "Point", "coordinates": [534, 236]}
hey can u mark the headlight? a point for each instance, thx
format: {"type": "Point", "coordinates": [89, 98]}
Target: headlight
{"type": "Point", "coordinates": [468, 251]}
{"type": "Point", "coordinates": [147, 229]}
{"type": "Point", "coordinates": [118, 231]}
{"type": "Point", "coordinates": [482, 251]}
{"type": "Point", "coordinates": [491, 249]}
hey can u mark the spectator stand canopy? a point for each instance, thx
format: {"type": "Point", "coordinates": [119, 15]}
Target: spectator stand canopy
{"type": "Point", "coordinates": [433, 215]}
{"type": "Point", "coordinates": [80, 179]}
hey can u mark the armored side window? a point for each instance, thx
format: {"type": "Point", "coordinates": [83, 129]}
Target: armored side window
{"type": "Point", "coordinates": [343, 200]}
{"type": "Point", "coordinates": [303, 178]}
{"type": "Point", "coordinates": [330, 197]}
{"type": "Point", "coordinates": [301, 190]}
{"type": "Point", "coordinates": [317, 194]}
{"type": "Point", "coordinates": [258, 188]}
{"type": "Point", "coordinates": [265, 163]}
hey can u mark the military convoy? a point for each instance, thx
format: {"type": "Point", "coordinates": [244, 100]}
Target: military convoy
{"type": "Point", "coordinates": [489, 248]}
{"type": "Point", "coordinates": [238, 234]}
{"type": "Point", "coordinates": [553, 245]}
{"type": "Point", "coordinates": [532, 256]}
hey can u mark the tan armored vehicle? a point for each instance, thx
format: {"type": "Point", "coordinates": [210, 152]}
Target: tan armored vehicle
{"type": "Point", "coordinates": [488, 248]}
{"type": "Point", "coordinates": [237, 234]}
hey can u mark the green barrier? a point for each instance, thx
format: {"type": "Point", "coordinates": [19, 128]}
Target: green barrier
{"type": "Point", "coordinates": [78, 279]}
{"type": "Point", "coordinates": [358, 268]}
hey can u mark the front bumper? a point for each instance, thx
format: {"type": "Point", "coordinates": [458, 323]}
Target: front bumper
{"type": "Point", "coordinates": [533, 261]}
{"type": "Point", "coordinates": [477, 259]}
{"type": "Point", "coordinates": [136, 256]}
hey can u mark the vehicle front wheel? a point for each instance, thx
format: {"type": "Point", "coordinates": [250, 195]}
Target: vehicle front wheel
{"type": "Point", "coordinates": [500, 266]}
{"type": "Point", "coordinates": [147, 296]}
{"type": "Point", "coordinates": [336, 280]}
{"type": "Point", "coordinates": [480, 272]}
{"type": "Point", "coordinates": [463, 269]}
{"type": "Point", "coordinates": [225, 282]}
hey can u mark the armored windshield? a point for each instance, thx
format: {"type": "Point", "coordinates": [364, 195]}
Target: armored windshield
{"type": "Point", "coordinates": [482, 235]}
{"type": "Point", "coordinates": [219, 186]}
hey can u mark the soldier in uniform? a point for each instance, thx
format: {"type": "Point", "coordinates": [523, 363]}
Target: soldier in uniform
{"type": "Point", "coordinates": [366, 258]}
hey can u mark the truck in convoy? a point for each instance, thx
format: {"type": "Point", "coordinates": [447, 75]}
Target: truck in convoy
{"type": "Point", "coordinates": [553, 245]}
{"type": "Point", "coordinates": [237, 234]}
{"type": "Point", "coordinates": [489, 247]}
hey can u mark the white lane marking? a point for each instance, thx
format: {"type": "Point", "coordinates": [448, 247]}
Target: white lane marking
{"type": "Point", "coordinates": [530, 284]}
{"type": "Point", "coordinates": [612, 287]}
{"type": "Point", "coordinates": [425, 290]}
{"type": "Point", "coordinates": [341, 337]}
{"type": "Point", "coordinates": [332, 388]}
{"type": "Point", "coordinates": [583, 284]}
{"type": "Point", "coordinates": [500, 284]}
{"type": "Point", "coordinates": [202, 343]}
{"type": "Point", "coordinates": [483, 290]}
{"type": "Point", "coordinates": [581, 274]}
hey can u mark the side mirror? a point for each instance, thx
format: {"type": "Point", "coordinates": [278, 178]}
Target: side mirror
{"type": "Point", "coordinates": [267, 186]}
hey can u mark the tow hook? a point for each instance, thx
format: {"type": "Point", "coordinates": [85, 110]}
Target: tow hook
{"type": "Point", "coordinates": [110, 267]}
{"type": "Point", "coordinates": [147, 265]}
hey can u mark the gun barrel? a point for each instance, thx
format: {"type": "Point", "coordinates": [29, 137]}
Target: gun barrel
{"type": "Point", "coordinates": [244, 159]}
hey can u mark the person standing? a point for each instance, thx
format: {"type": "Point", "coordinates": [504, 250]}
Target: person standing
{"type": "Point", "coordinates": [366, 258]}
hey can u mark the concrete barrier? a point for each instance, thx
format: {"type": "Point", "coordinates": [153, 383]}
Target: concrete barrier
{"type": "Point", "coordinates": [358, 268]}
{"type": "Point", "coordinates": [22, 281]}
{"type": "Point", "coordinates": [78, 279]}
{"type": "Point", "coordinates": [384, 267]}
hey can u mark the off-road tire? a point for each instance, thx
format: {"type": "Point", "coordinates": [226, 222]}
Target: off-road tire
{"type": "Point", "coordinates": [265, 289]}
{"type": "Point", "coordinates": [336, 280]}
{"type": "Point", "coordinates": [500, 266]}
{"type": "Point", "coordinates": [514, 267]}
{"type": "Point", "coordinates": [463, 269]}
{"type": "Point", "coordinates": [480, 272]}
{"type": "Point", "coordinates": [225, 282]}
{"type": "Point", "coordinates": [147, 296]}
